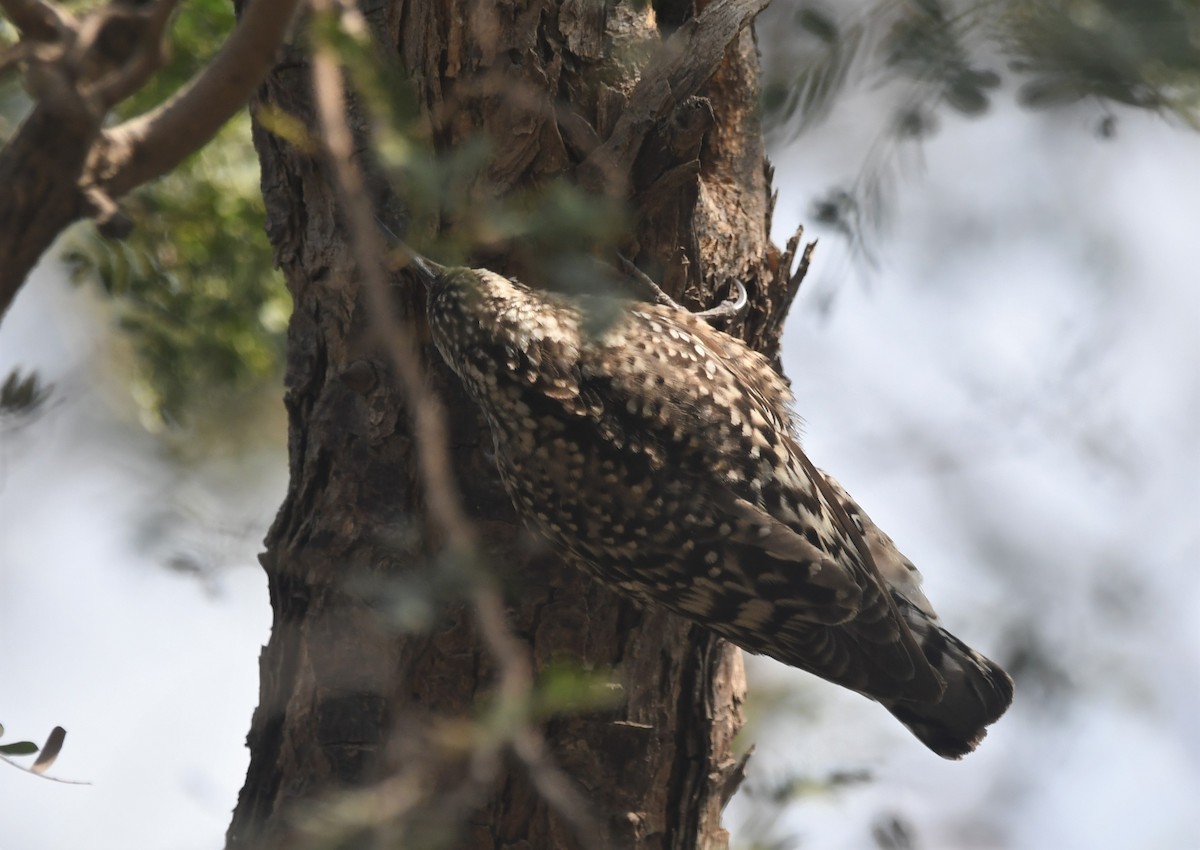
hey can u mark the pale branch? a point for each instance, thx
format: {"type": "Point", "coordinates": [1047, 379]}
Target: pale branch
{"type": "Point", "coordinates": [447, 514]}
{"type": "Point", "coordinates": [514, 670]}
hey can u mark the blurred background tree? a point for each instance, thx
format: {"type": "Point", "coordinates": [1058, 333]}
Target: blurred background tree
{"type": "Point", "coordinates": [931, 58]}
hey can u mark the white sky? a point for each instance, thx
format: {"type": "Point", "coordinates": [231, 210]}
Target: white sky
{"type": "Point", "coordinates": [152, 673]}
{"type": "Point", "coordinates": [1012, 395]}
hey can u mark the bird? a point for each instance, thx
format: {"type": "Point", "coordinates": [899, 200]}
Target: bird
{"type": "Point", "coordinates": [663, 456]}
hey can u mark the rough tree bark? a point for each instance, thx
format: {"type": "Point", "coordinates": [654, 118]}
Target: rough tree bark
{"type": "Point", "coordinates": [346, 700]}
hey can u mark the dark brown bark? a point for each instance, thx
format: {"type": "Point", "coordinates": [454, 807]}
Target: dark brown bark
{"type": "Point", "coordinates": [347, 700]}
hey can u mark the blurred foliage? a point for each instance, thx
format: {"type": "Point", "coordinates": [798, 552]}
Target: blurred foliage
{"type": "Point", "coordinates": [767, 826]}
{"type": "Point", "coordinates": [955, 56]}
{"type": "Point", "coordinates": [934, 48]}
{"type": "Point", "coordinates": [806, 99]}
{"type": "Point", "coordinates": [14, 102]}
{"type": "Point", "coordinates": [1141, 53]}
{"type": "Point", "coordinates": [205, 312]}
{"type": "Point", "coordinates": [22, 394]}
{"type": "Point", "coordinates": [195, 291]}
{"type": "Point", "coordinates": [194, 287]}
{"type": "Point", "coordinates": [446, 204]}
{"type": "Point", "coordinates": [566, 688]}
{"type": "Point", "coordinates": [543, 228]}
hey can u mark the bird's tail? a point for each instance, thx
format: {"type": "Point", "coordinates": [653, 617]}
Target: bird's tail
{"type": "Point", "coordinates": [977, 691]}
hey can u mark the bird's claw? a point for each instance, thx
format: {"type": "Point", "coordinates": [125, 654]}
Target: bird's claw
{"type": "Point", "coordinates": [724, 311]}
{"type": "Point", "coordinates": [728, 309]}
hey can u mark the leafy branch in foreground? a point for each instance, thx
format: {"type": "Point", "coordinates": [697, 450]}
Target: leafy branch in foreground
{"type": "Point", "coordinates": [193, 285]}
{"type": "Point", "coordinates": [67, 161]}
{"type": "Point", "coordinates": [47, 754]}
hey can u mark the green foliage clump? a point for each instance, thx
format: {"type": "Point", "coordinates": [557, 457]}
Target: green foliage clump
{"type": "Point", "coordinates": [194, 285]}
{"type": "Point", "coordinates": [1140, 53]}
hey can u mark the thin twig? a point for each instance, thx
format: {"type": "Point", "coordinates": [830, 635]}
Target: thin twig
{"type": "Point", "coordinates": [651, 289]}
{"type": "Point", "coordinates": [514, 671]}
{"type": "Point", "coordinates": [40, 775]}
{"type": "Point", "coordinates": [723, 312]}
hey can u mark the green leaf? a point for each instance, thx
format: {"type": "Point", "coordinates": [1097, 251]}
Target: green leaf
{"type": "Point", "coordinates": [20, 748]}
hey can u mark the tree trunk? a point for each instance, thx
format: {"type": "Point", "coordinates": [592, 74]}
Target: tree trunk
{"type": "Point", "coordinates": [347, 700]}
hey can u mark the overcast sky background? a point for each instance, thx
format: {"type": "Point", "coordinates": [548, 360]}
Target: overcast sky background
{"type": "Point", "coordinates": [1011, 393]}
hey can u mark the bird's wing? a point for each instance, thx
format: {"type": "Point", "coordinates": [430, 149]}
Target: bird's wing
{"type": "Point", "coordinates": [830, 616]}
{"type": "Point", "coordinates": [792, 577]}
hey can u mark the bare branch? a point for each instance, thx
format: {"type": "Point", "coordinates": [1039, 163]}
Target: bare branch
{"type": "Point", "coordinates": [37, 20]}
{"type": "Point", "coordinates": [150, 145]}
{"type": "Point", "coordinates": [61, 166]}
{"type": "Point", "coordinates": [148, 56]}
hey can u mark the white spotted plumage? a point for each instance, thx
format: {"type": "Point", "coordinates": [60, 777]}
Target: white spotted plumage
{"type": "Point", "coordinates": [662, 455]}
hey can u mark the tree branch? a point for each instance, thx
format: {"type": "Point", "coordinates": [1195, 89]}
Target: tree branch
{"type": "Point", "coordinates": [145, 58]}
{"type": "Point", "coordinates": [37, 20]}
{"type": "Point", "coordinates": [60, 165]}
{"type": "Point", "coordinates": [152, 144]}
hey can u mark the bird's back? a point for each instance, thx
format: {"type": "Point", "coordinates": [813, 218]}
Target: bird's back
{"type": "Point", "coordinates": [662, 455]}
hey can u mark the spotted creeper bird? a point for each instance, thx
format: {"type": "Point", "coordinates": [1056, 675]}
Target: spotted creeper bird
{"type": "Point", "coordinates": [662, 456]}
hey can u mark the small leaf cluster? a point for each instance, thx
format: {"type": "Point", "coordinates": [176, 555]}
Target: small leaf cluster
{"type": "Point", "coordinates": [47, 754]}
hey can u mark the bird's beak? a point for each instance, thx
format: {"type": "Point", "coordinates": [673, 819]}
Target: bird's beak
{"type": "Point", "coordinates": [426, 270]}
